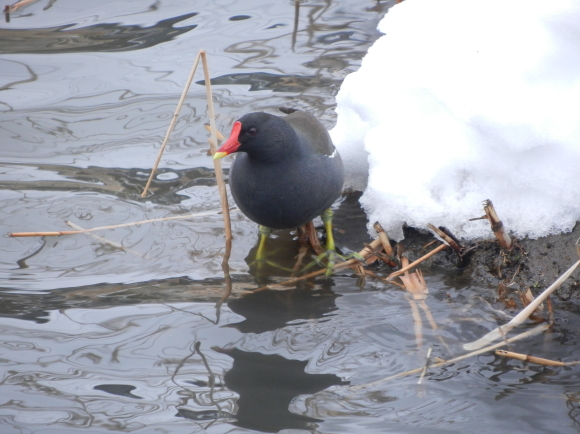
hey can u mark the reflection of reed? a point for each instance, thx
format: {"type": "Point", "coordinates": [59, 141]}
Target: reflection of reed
{"type": "Point", "coordinates": [100, 37]}
{"type": "Point", "coordinates": [106, 241]}
{"type": "Point", "coordinates": [197, 416]}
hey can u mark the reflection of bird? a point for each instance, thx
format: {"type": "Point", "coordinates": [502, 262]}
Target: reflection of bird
{"type": "Point", "coordinates": [271, 310]}
{"type": "Point", "coordinates": [288, 171]}
{"type": "Point", "coordinates": [267, 384]}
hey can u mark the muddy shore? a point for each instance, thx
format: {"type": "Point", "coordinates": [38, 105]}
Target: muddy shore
{"type": "Point", "coordinates": [533, 264]}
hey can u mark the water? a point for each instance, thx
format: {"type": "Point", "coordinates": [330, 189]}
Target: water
{"type": "Point", "coordinates": [123, 330]}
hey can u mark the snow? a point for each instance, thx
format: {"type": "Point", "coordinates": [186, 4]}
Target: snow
{"type": "Point", "coordinates": [463, 101]}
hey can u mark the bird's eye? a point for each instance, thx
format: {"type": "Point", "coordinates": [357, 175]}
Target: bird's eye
{"type": "Point", "coordinates": [252, 131]}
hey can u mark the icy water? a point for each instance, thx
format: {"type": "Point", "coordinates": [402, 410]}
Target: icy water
{"type": "Point", "coordinates": [123, 330]}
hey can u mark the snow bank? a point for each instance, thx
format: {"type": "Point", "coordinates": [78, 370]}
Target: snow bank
{"type": "Point", "coordinates": [463, 101]}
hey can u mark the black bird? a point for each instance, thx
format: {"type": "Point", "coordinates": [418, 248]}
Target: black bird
{"type": "Point", "coordinates": [287, 171]}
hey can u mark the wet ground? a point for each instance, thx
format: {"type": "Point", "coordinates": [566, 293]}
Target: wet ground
{"type": "Point", "coordinates": [124, 329]}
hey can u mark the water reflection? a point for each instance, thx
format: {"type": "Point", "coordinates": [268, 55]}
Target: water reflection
{"type": "Point", "coordinates": [267, 384]}
{"type": "Point", "coordinates": [276, 83]}
{"type": "Point", "coordinates": [100, 37]}
{"type": "Point", "coordinates": [271, 310]}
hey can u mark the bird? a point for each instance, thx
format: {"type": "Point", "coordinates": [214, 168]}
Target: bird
{"type": "Point", "coordinates": [286, 172]}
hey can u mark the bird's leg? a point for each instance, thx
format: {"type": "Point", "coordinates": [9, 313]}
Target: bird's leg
{"type": "Point", "coordinates": [330, 254]}
{"type": "Point", "coordinates": [264, 234]}
{"type": "Point", "coordinates": [261, 258]}
{"type": "Point", "coordinates": [327, 220]}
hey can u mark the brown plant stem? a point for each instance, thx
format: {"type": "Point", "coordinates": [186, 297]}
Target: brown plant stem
{"type": "Point", "coordinates": [497, 227]}
{"type": "Point", "coordinates": [415, 263]}
{"type": "Point", "coordinates": [217, 163]}
{"type": "Point", "coordinates": [533, 359]}
{"type": "Point", "coordinates": [122, 225]}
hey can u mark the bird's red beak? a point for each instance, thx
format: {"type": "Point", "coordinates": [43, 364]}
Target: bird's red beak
{"type": "Point", "coordinates": [231, 144]}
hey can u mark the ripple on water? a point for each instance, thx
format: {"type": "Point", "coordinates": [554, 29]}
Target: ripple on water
{"type": "Point", "coordinates": [128, 254]}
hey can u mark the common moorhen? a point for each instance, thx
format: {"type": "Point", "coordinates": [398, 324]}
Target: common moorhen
{"type": "Point", "coordinates": [287, 171]}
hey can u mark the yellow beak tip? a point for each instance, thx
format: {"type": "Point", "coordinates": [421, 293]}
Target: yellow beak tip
{"type": "Point", "coordinates": [219, 155]}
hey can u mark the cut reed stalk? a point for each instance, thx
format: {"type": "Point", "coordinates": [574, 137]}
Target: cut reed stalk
{"type": "Point", "coordinates": [497, 227]}
{"type": "Point", "coordinates": [384, 239]}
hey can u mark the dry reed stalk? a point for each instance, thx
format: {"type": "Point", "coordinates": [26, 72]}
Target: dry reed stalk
{"type": "Point", "coordinates": [415, 284]}
{"type": "Point", "coordinates": [447, 239]}
{"type": "Point", "coordinates": [502, 236]}
{"type": "Point", "coordinates": [173, 122]}
{"type": "Point", "coordinates": [220, 136]}
{"type": "Point", "coordinates": [384, 239]}
{"type": "Point", "coordinates": [415, 263]}
{"type": "Point", "coordinates": [522, 316]}
{"type": "Point", "coordinates": [122, 225]}
{"type": "Point", "coordinates": [536, 330]}
{"type": "Point", "coordinates": [217, 163]}
{"type": "Point", "coordinates": [533, 359]}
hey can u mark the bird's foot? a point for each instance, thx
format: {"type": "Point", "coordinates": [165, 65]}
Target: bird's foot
{"type": "Point", "coordinates": [261, 263]}
{"type": "Point", "coordinates": [330, 258]}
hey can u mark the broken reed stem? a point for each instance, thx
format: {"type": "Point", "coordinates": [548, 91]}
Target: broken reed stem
{"type": "Point", "coordinates": [217, 163]}
{"type": "Point", "coordinates": [502, 236]}
{"type": "Point", "coordinates": [533, 359]}
{"type": "Point", "coordinates": [536, 330]}
{"type": "Point", "coordinates": [122, 225]}
{"type": "Point", "coordinates": [446, 238]}
{"type": "Point", "coordinates": [364, 253]}
{"type": "Point", "coordinates": [522, 316]}
{"type": "Point", "coordinates": [173, 122]}
{"type": "Point", "coordinates": [384, 239]}
{"type": "Point", "coordinates": [415, 263]}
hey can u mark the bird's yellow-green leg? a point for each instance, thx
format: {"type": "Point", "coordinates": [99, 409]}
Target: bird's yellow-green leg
{"type": "Point", "coordinates": [327, 220]}
{"type": "Point", "coordinates": [261, 257]}
{"type": "Point", "coordinates": [330, 255]}
{"type": "Point", "coordinates": [264, 234]}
